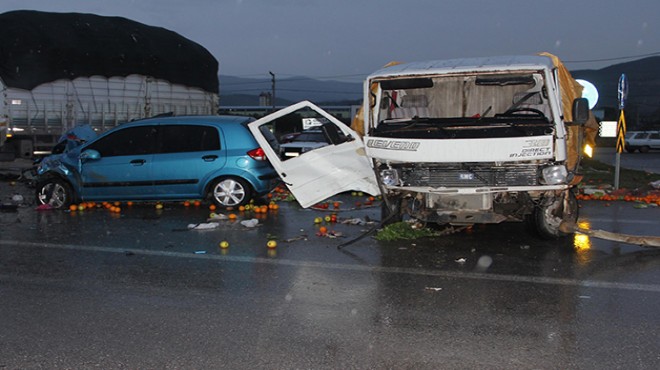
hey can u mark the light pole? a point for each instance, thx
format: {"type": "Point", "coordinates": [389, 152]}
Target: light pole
{"type": "Point", "coordinates": [273, 88]}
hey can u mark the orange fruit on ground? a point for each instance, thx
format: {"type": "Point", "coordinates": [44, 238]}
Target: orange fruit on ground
{"type": "Point", "coordinates": [212, 207]}
{"type": "Point", "coordinates": [73, 207]}
{"type": "Point", "coordinates": [323, 229]}
{"type": "Point", "coordinates": [197, 203]}
{"type": "Point", "coordinates": [232, 216]}
{"type": "Point", "coordinates": [186, 204]}
{"type": "Point", "coordinates": [241, 208]}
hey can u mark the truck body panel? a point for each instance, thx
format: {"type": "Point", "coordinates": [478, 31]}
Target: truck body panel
{"type": "Point", "coordinates": [38, 117]}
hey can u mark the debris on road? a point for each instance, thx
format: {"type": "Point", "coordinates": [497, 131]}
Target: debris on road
{"type": "Point", "coordinates": [433, 289]}
{"type": "Point", "coordinates": [250, 223]}
{"type": "Point", "coordinates": [203, 226]}
{"type": "Point", "coordinates": [644, 241]}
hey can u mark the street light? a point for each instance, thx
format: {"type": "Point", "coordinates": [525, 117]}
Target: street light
{"type": "Point", "coordinates": [273, 87]}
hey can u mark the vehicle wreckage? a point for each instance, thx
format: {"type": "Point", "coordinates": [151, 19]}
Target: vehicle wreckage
{"type": "Point", "coordinates": [457, 142]}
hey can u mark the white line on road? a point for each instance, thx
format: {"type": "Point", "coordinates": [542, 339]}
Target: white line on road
{"type": "Point", "coordinates": [347, 267]}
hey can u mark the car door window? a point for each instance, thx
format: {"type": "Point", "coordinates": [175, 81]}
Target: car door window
{"type": "Point", "coordinates": [129, 141]}
{"type": "Point", "coordinates": [188, 138]}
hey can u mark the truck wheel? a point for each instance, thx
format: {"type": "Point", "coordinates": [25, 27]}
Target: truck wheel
{"type": "Point", "coordinates": [55, 192]}
{"type": "Point", "coordinates": [391, 215]}
{"type": "Point", "coordinates": [547, 217]}
{"type": "Point", "coordinates": [230, 192]}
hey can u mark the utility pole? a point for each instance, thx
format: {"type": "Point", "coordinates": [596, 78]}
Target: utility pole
{"type": "Point", "coordinates": [273, 87]}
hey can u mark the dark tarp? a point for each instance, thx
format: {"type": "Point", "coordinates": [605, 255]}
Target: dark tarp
{"type": "Point", "coordinates": [39, 47]}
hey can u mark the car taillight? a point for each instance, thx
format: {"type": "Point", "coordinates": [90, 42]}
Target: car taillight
{"type": "Point", "coordinates": [257, 154]}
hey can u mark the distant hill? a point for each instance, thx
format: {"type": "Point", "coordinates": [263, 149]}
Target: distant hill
{"type": "Point", "coordinates": [644, 84]}
{"type": "Point", "coordinates": [245, 91]}
{"type": "Point", "coordinates": [643, 76]}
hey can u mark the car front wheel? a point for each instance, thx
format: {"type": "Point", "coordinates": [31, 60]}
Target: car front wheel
{"type": "Point", "coordinates": [55, 192]}
{"type": "Point", "coordinates": [230, 192]}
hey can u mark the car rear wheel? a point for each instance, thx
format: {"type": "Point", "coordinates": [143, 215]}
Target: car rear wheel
{"type": "Point", "coordinates": [644, 149]}
{"type": "Point", "coordinates": [230, 192]}
{"type": "Point", "coordinates": [55, 192]}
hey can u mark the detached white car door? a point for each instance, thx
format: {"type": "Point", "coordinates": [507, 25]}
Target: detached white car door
{"type": "Point", "coordinates": [318, 172]}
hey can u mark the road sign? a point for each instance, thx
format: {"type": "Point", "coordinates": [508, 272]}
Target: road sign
{"type": "Point", "coordinates": [622, 91]}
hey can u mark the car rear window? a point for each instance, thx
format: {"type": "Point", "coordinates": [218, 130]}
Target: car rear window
{"type": "Point", "coordinates": [187, 138]}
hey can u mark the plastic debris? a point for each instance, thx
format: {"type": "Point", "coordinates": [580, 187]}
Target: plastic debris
{"type": "Point", "coordinates": [200, 252]}
{"type": "Point", "coordinates": [203, 226]}
{"type": "Point", "coordinates": [655, 184]}
{"type": "Point", "coordinates": [250, 223]}
{"type": "Point", "coordinates": [217, 217]}
{"type": "Point", "coordinates": [301, 237]}
{"type": "Point", "coordinates": [17, 198]}
{"type": "Point", "coordinates": [433, 289]}
{"type": "Point", "coordinates": [357, 221]}
{"type": "Point", "coordinates": [461, 260]}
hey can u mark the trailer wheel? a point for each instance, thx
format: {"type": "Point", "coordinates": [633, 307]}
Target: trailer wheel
{"type": "Point", "coordinates": [548, 216]}
{"type": "Point", "coordinates": [230, 192]}
{"type": "Point", "coordinates": [55, 192]}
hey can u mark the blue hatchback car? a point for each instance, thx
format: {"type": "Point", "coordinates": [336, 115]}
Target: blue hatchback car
{"type": "Point", "coordinates": [163, 158]}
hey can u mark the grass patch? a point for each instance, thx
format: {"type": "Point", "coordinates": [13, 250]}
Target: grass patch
{"type": "Point", "coordinates": [403, 231]}
{"type": "Point", "coordinates": [598, 173]}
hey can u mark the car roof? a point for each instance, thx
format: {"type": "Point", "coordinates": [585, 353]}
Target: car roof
{"type": "Point", "coordinates": [206, 119]}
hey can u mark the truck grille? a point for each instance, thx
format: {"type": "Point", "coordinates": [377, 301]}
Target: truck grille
{"type": "Point", "coordinates": [462, 176]}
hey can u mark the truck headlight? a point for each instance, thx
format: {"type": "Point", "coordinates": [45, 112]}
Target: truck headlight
{"type": "Point", "coordinates": [389, 177]}
{"type": "Point", "coordinates": [554, 175]}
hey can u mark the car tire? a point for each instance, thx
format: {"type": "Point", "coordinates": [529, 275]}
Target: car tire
{"type": "Point", "coordinates": [644, 149]}
{"type": "Point", "coordinates": [55, 192]}
{"type": "Point", "coordinates": [230, 192]}
{"type": "Point", "coordinates": [548, 216]}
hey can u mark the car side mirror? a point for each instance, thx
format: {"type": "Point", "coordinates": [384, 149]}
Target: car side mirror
{"type": "Point", "coordinates": [580, 111]}
{"type": "Point", "coordinates": [90, 154]}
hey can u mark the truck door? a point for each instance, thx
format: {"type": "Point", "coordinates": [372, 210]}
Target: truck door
{"type": "Point", "coordinates": [321, 170]}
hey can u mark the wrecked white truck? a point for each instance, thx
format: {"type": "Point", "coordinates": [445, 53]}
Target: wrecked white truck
{"type": "Point", "coordinates": [460, 142]}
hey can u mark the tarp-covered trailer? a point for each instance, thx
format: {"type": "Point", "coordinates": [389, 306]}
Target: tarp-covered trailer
{"type": "Point", "coordinates": [60, 70]}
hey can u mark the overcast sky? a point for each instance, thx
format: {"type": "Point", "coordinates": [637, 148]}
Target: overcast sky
{"type": "Point", "coordinates": [352, 38]}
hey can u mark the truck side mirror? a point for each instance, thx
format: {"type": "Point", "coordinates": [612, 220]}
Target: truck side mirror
{"type": "Point", "coordinates": [580, 111]}
{"type": "Point", "coordinates": [331, 133]}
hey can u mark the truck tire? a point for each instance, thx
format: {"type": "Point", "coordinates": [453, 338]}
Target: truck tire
{"type": "Point", "coordinates": [55, 192]}
{"type": "Point", "coordinates": [390, 215]}
{"type": "Point", "coordinates": [547, 216]}
{"type": "Point", "coordinates": [230, 192]}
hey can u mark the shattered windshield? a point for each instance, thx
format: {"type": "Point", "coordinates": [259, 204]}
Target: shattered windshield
{"type": "Point", "coordinates": [513, 104]}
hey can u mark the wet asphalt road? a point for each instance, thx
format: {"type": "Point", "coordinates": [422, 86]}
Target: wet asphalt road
{"type": "Point", "coordinates": [94, 289]}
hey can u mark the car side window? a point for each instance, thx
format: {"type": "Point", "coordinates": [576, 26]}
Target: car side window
{"type": "Point", "coordinates": [138, 140]}
{"type": "Point", "coordinates": [188, 138]}
{"type": "Point", "coordinates": [654, 136]}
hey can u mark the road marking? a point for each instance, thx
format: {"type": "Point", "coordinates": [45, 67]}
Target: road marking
{"type": "Point", "coordinates": [347, 267]}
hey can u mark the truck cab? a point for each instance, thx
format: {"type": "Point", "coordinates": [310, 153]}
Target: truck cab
{"type": "Point", "coordinates": [469, 141]}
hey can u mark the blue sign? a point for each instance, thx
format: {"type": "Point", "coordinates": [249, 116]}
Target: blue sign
{"type": "Point", "coordinates": [623, 91]}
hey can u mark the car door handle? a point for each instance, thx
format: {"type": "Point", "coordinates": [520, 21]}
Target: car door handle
{"type": "Point", "coordinates": [138, 162]}
{"type": "Point", "coordinates": [209, 158]}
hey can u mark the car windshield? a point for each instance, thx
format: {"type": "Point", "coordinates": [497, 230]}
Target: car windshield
{"type": "Point", "coordinates": [316, 136]}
